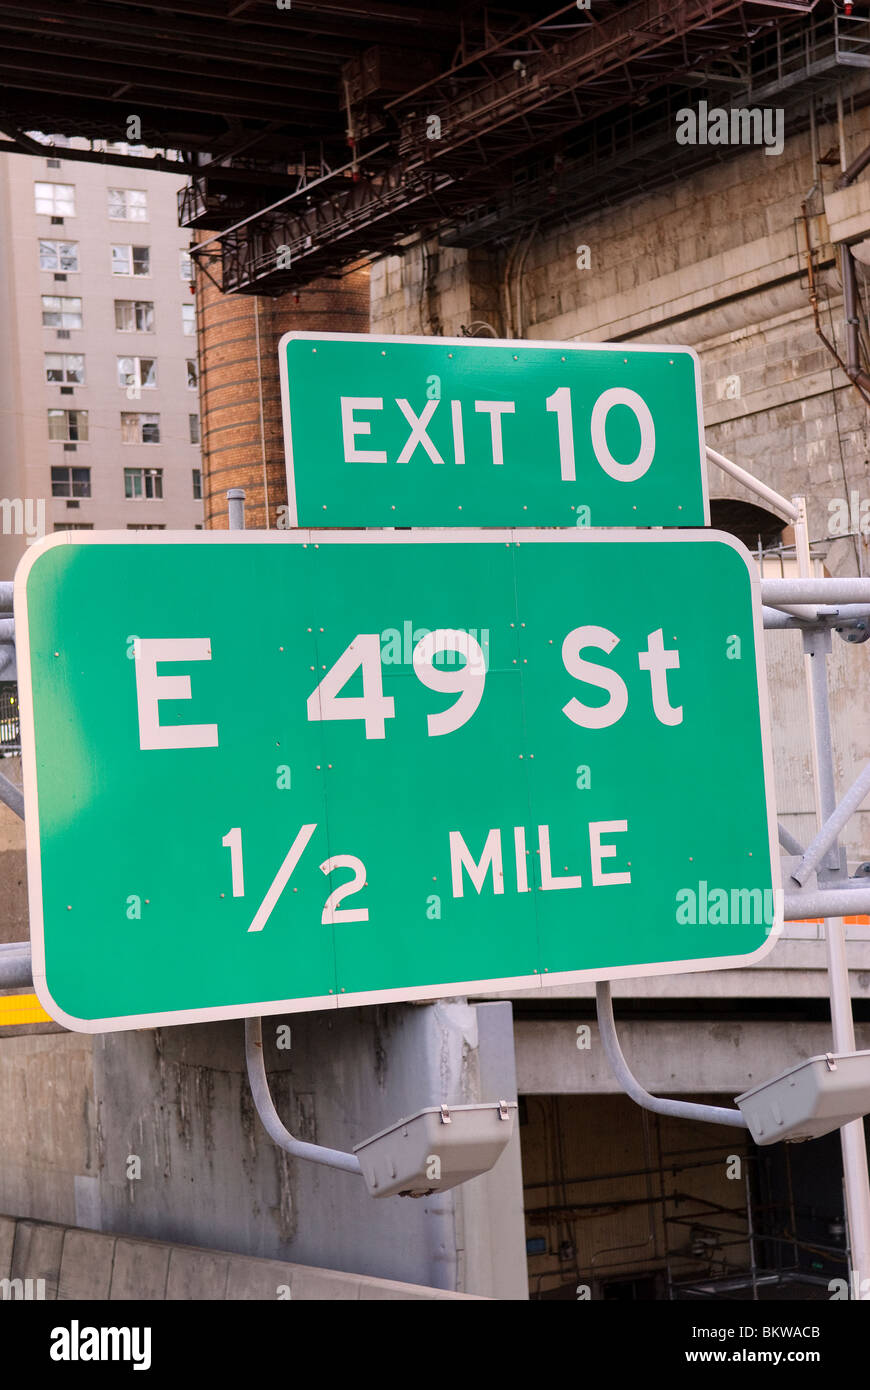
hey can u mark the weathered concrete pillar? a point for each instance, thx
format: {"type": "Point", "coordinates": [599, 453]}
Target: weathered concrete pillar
{"type": "Point", "coordinates": [183, 1157]}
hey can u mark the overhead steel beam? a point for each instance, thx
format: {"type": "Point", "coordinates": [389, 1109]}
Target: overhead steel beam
{"type": "Point", "coordinates": [136, 28]}
{"type": "Point", "coordinates": [222, 72]}
{"type": "Point", "coordinates": [356, 20]}
{"type": "Point", "coordinates": [489, 119]}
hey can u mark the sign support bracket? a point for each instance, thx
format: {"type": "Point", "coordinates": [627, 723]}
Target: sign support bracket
{"type": "Point", "coordinates": [679, 1109]}
{"type": "Point", "coordinates": [259, 1082]}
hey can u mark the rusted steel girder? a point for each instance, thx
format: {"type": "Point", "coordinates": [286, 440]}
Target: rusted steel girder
{"type": "Point", "coordinates": [493, 118]}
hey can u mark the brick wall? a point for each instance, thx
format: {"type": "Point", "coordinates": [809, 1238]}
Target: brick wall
{"type": "Point", "coordinates": [242, 443]}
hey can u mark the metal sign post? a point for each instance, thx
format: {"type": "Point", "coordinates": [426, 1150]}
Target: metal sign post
{"type": "Point", "coordinates": [817, 645]}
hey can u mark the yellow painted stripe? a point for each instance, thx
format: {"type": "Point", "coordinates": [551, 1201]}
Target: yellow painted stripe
{"type": "Point", "coordinates": [21, 1008]}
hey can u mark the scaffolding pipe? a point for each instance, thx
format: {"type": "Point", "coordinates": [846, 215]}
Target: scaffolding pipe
{"type": "Point", "coordinates": [841, 901]}
{"type": "Point", "coordinates": [788, 841]}
{"type": "Point", "coordinates": [11, 796]}
{"type": "Point", "coordinates": [678, 1109]}
{"type": "Point", "coordinates": [822, 842]}
{"type": "Point", "coordinates": [844, 615]}
{"type": "Point", "coordinates": [824, 592]}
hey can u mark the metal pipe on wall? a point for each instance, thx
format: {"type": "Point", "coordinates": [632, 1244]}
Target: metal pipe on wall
{"type": "Point", "coordinates": [854, 369]}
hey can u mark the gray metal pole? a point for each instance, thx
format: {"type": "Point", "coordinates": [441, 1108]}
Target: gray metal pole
{"type": "Point", "coordinates": [816, 645]}
{"type": "Point", "coordinates": [236, 508]}
{"type": "Point", "coordinates": [788, 841]}
{"type": "Point", "coordinates": [16, 968]}
{"type": "Point", "coordinates": [844, 615]}
{"type": "Point", "coordinates": [827, 836]}
{"type": "Point", "coordinates": [11, 796]}
{"type": "Point", "coordinates": [845, 901]}
{"type": "Point", "coordinates": [822, 592]}
{"type": "Point", "coordinates": [780, 504]}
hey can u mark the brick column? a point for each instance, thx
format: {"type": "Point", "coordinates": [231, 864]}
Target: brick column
{"type": "Point", "coordinates": [239, 388]}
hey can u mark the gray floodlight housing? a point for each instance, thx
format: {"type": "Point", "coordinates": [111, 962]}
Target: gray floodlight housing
{"type": "Point", "coordinates": [809, 1100]}
{"type": "Point", "coordinates": [436, 1149]}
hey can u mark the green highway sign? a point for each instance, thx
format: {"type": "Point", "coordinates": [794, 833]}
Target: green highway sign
{"type": "Point", "coordinates": [483, 432]}
{"type": "Point", "coordinates": [270, 772]}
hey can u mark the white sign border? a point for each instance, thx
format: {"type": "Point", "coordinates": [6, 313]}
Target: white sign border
{"type": "Point", "coordinates": [570, 536]}
{"type": "Point", "coordinates": [391, 340]}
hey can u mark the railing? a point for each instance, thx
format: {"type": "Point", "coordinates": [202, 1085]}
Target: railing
{"type": "Point", "coordinates": [10, 729]}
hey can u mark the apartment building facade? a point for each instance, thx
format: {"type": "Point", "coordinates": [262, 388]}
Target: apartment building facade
{"type": "Point", "coordinates": [99, 376]}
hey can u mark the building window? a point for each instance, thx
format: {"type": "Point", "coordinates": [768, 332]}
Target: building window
{"type": "Point", "coordinates": [193, 424]}
{"type": "Point", "coordinates": [71, 426]}
{"type": "Point", "coordinates": [192, 374]}
{"type": "Point", "coordinates": [122, 147]}
{"type": "Point", "coordinates": [197, 484]}
{"type": "Point", "coordinates": [143, 482]}
{"type": "Point", "coordinates": [131, 260]}
{"type": "Point", "coordinates": [61, 311]}
{"type": "Point", "coordinates": [185, 265]}
{"type": "Point", "coordinates": [128, 205]}
{"type": "Point", "coordinates": [146, 525]}
{"type": "Point", "coordinates": [137, 371]}
{"type": "Point", "coordinates": [55, 199]}
{"type": "Point", "coordinates": [58, 255]}
{"type": "Point", "coordinates": [70, 482]}
{"type": "Point", "coordinates": [188, 318]}
{"type": "Point", "coordinates": [65, 368]}
{"type": "Point", "coordinates": [134, 316]}
{"type": "Point", "coordinates": [139, 429]}
{"type": "Point", "coordinates": [74, 525]}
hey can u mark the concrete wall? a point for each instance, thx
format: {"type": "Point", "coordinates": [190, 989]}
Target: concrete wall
{"type": "Point", "coordinates": [82, 1115]}
{"type": "Point", "coordinates": [74, 1264]}
{"type": "Point", "coordinates": [692, 1056]}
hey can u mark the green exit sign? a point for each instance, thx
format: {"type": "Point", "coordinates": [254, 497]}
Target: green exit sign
{"type": "Point", "coordinates": [458, 432]}
{"type": "Point", "coordinates": [269, 772]}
